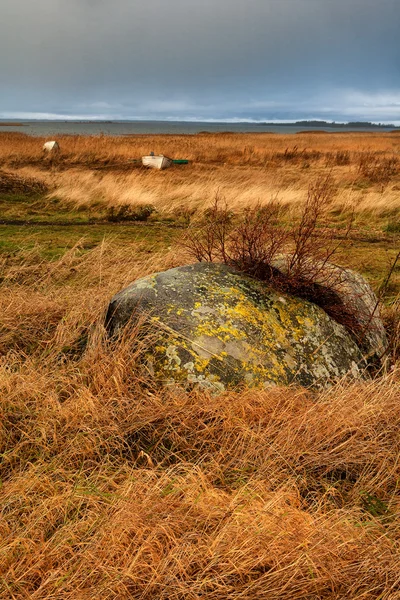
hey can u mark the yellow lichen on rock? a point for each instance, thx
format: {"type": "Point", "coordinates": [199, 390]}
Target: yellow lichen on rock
{"type": "Point", "coordinates": [219, 329]}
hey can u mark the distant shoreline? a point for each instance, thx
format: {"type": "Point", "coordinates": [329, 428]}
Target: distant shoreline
{"type": "Point", "coordinates": [302, 123]}
{"type": "Point", "coordinates": [334, 125]}
{"type": "Point", "coordinates": [53, 128]}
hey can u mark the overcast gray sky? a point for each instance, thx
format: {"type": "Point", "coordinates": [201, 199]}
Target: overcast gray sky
{"type": "Point", "coordinates": [200, 59]}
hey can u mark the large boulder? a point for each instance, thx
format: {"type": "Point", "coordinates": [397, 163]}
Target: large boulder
{"type": "Point", "coordinates": [220, 329]}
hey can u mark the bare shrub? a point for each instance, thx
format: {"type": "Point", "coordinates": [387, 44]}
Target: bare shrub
{"type": "Point", "coordinates": [292, 257]}
{"type": "Point", "coordinates": [307, 247]}
{"type": "Point", "coordinates": [256, 240]}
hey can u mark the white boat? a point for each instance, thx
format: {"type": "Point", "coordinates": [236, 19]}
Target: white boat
{"type": "Point", "coordinates": [51, 147]}
{"type": "Point", "coordinates": [157, 161]}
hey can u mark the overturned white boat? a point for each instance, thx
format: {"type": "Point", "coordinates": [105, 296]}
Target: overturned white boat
{"type": "Point", "coordinates": [51, 147]}
{"type": "Point", "coordinates": [157, 161]}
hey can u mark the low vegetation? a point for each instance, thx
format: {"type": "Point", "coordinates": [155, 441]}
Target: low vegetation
{"type": "Point", "coordinates": [111, 488]}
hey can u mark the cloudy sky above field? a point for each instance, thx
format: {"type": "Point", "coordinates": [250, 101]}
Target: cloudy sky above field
{"type": "Point", "coordinates": [200, 59]}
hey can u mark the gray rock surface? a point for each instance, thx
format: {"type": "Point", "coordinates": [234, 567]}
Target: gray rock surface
{"type": "Point", "coordinates": [356, 296]}
{"type": "Point", "coordinates": [220, 329]}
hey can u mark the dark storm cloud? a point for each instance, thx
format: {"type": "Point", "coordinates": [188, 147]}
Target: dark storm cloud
{"type": "Point", "coordinates": [201, 59]}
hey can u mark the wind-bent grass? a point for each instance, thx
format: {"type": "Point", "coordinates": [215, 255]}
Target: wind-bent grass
{"type": "Point", "coordinates": [244, 168]}
{"type": "Point", "coordinates": [113, 489]}
{"type": "Point", "coordinates": [231, 148]}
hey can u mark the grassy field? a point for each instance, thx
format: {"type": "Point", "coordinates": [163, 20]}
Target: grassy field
{"type": "Point", "coordinates": [111, 488]}
{"type": "Point", "coordinates": [96, 172]}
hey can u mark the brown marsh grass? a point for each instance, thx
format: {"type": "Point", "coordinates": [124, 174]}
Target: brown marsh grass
{"type": "Point", "coordinates": [113, 489]}
{"type": "Point", "coordinates": [208, 148]}
{"type": "Point", "coordinates": [245, 168]}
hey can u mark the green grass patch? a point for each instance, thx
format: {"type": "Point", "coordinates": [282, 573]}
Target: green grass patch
{"type": "Point", "coordinates": [38, 208]}
{"type": "Point", "coordinates": [53, 241]}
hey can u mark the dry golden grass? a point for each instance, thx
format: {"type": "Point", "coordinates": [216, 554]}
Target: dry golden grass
{"type": "Point", "coordinates": [112, 489]}
{"type": "Point", "coordinates": [244, 168]}
{"type": "Point", "coordinates": [230, 148]}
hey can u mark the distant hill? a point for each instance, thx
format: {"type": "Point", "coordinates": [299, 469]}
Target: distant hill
{"type": "Point", "coordinates": [352, 124]}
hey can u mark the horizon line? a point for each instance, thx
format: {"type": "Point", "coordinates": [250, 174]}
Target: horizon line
{"type": "Point", "coordinates": [194, 120]}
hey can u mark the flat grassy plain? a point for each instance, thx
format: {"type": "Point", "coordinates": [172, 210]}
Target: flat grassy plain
{"type": "Point", "coordinates": [111, 488]}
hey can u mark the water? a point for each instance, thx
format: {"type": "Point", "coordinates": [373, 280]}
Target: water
{"type": "Point", "coordinates": [54, 128]}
